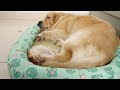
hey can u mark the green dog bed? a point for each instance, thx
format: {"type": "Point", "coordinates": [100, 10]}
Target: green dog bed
{"type": "Point", "coordinates": [20, 67]}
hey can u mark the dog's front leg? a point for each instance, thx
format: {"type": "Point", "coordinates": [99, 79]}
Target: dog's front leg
{"type": "Point", "coordinates": [45, 35]}
{"type": "Point", "coordinates": [49, 35]}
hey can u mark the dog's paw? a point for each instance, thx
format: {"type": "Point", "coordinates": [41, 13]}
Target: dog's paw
{"type": "Point", "coordinates": [40, 37]}
{"type": "Point", "coordinates": [33, 59]}
{"type": "Point", "coordinates": [36, 59]}
{"type": "Point", "coordinates": [47, 63]}
{"type": "Point", "coordinates": [58, 42]}
{"type": "Point", "coordinates": [43, 36]}
{"type": "Point", "coordinates": [37, 38]}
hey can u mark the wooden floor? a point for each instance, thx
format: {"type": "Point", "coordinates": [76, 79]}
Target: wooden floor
{"type": "Point", "coordinates": [10, 30]}
{"type": "Point", "coordinates": [11, 27]}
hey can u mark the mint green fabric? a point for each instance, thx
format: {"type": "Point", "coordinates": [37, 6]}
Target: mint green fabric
{"type": "Point", "coordinates": [20, 67]}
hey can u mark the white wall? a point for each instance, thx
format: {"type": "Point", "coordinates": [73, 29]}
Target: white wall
{"type": "Point", "coordinates": [75, 12]}
{"type": "Point", "coordinates": [38, 15]}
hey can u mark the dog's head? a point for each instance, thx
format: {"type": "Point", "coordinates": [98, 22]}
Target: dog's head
{"type": "Point", "coordinates": [50, 20]}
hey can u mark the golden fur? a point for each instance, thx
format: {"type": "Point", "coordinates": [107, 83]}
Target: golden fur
{"type": "Point", "coordinates": [85, 41]}
{"type": "Point", "coordinates": [44, 48]}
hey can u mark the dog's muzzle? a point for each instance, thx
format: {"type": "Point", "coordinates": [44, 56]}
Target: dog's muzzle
{"type": "Point", "coordinates": [39, 24]}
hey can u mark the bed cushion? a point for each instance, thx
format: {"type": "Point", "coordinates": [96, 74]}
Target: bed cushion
{"type": "Point", "coordinates": [20, 67]}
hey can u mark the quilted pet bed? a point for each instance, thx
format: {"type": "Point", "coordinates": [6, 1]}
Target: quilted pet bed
{"type": "Point", "coordinates": [20, 67]}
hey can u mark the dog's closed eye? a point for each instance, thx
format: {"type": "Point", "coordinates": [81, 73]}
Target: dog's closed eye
{"type": "Point", "coordinates": [48, 17]}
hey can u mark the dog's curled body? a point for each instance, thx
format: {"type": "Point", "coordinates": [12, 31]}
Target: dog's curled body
{"type": "Point", "coordinates": [87, 41]}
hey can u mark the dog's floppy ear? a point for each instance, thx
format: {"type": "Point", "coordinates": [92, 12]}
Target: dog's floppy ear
{"type": "Point", "coordinates": [57, 16]}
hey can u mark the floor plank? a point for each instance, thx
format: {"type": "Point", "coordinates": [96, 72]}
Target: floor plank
{"type": "Point", "coordinates": [10, 30]}
{"type": "Point", "coordinates": [4, 73]}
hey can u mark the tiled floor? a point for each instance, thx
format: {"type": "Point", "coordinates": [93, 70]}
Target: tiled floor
{"type": "Point", "coordinates": [10, 30]}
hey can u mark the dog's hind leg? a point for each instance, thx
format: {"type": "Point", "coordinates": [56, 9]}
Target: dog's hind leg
{"type": "Point", "coordinates": [63, 56]}
{"type": "Point", "coordinates": [83, 63]}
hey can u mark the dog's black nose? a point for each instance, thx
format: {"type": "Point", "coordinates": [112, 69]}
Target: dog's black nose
{"type": "Point", "coordinates": [39, 23]}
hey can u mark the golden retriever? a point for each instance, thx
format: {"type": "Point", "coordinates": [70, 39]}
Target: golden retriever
{"type": "Point", "coordinates": [85, 41]}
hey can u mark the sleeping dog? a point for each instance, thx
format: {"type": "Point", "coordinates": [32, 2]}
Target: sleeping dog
{"type": "Point", "coordinates": [85, 41]}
